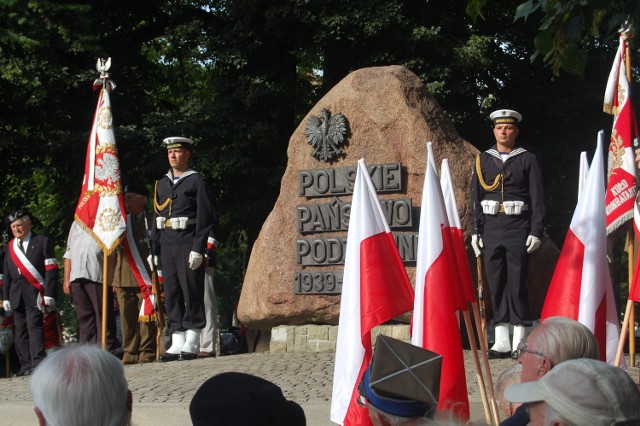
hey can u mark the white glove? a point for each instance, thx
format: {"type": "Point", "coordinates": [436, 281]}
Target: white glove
{"type": "Point", "coordinates": [195, 260]}
{"type": "Point", "coordinates": [50, 302]}
{"type": "Point", "coordinates": [477, 244]}
{"type": "Point", "coordinates": [6, 305]}
{"type": "Point", "coordinates": [533, 243]}
{"type": "Point", "coordinates": [152, 260]}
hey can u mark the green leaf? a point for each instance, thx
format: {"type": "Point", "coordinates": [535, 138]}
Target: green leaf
{"type": "Point", "coordinates": [544, 41]}
{"type": "Point", "coordinates": [525, 9]}
{"type": "Point", "coordinates": [573, 60]}
{"type": "Point", "coordinates": [474, 8]}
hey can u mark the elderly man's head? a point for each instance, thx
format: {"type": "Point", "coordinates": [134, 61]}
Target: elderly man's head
{"type": "Point", "coordinates": [81, 385]}
{"type": "Point", "coordinates": [556, 340]}
{"type": "Point", "coordinates": [580, 392]}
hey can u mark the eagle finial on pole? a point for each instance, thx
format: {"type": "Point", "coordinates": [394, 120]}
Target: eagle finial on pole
{"type": "Point", "coordinates": [102, 66]}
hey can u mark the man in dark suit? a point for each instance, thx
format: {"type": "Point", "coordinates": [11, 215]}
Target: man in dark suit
{"type": "Point", "coordinates": [30, 279]}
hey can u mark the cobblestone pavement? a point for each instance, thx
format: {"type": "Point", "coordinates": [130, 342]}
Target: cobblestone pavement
{"type": "Point", "coordinates": [162, 392]}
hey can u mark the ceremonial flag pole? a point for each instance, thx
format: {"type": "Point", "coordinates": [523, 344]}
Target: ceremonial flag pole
{"type": "Point", "coordinates": [435, 325]}
{"type": "Point", "coordinates": [621, 187]}
{"type": "Point", "coordinates": [375, 289]}
{"type": "Point", "coordinates": [581, 284]}
{"type": "Point", "coordinates": [100, 210]}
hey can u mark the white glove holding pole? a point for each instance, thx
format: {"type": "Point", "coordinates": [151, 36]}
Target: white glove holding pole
{"type": "Point", "coordinates": [6, 305]}
{"type": "Point", "coordinates": [50, 302]}
{"type": "Point", "coordinates": [477, 244]}
{"type": "Point", "coordinates": [195, 260]}
{"type": "Point", "coordinates": [533, 243]}
{"type": "Point", "coordinates": [152, 260]}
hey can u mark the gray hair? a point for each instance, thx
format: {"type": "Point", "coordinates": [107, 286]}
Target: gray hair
{"type": "Point", "coordinates": [80, 385]}
{"type": "Point", "coordinates": [561, 339]}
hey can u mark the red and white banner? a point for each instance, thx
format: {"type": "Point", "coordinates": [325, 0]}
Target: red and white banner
{"type": "Point", "coordinates": [435, 324]}
{"type": "Point", "coordinates": [375, 289]}
{"type": "Point", "coordinates": [634, 289]}
{"type": "Point", "coordinates": [100, 210]}
{"type": "Point", "coordinates": [457, 235]}
{"type": "Point", "coordinates": [581, 285]}
{"type": "Point", "coordinates": [139, 270]}
{"type": "Point", "coordinates": [621, 176]}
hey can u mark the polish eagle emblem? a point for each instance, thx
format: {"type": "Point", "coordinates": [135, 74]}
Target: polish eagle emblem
{"type": "Point", "coordinates": [326, 134]}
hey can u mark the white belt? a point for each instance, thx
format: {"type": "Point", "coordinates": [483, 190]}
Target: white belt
{"type": "Point", "coordinates": [177, 223]}
{"type": "Point", "coordinates": [493, 207]}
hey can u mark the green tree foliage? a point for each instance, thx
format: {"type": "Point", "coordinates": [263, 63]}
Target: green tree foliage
{"type": "Point", "coordinates": [567, 27]}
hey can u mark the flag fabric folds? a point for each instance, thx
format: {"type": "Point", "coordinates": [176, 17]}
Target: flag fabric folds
{"type": "Point", "coordinates": [634, 289]}
{"type": "Point", "coordinates": [457, 235]}
{"type": "Point", "coordinates": [621, 176]}
{"type": "Point", "coordinates": [581, 285]}
{"type": "Point", "coordinates": [375, 289]}
{"type": "Point", "coordinates": [100, 210]}
{"type": "Point", "coordinates": [434, 323]}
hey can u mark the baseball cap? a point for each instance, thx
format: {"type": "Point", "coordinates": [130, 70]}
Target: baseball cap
{"type": "Point", "coordinates": [584, 392]}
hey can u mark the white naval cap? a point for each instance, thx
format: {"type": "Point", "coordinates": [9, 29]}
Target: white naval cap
{"type": "Point", "coordinates": [504, 116]}
{"type": "Point", "coordinates": [177, 142]}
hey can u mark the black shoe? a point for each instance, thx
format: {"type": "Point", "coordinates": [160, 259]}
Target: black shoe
{"type": "Point", "coordinates": [498, 355]}
{"type": "Point", "coordinates": [188, 356]}
{"type": "Point", "coordinates": [23, 373]}
{"type": "Point", "coordinates": [167, 357]}
{"type": "Point", "coordinates": [514, 355]}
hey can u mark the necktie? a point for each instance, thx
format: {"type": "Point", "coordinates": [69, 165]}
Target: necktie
{"type": "Point", "coordinates": [22, 247]}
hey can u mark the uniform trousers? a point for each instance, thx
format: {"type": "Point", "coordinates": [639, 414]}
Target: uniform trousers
{"type": "Point", "coordinates": [87, 297]}
{"type": "Point", "coordinates": [138, 338]}
{"type": "Point", "coordinates": [183, 289]}
{"type": "Point", "coordinates": [29, 337]}
{"type": "Point", "coordinates": [209, 335]}
{"type": "Point", "coordinates": [506, 263]}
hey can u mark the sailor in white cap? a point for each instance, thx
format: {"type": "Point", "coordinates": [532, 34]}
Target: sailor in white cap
{"type": "Point", "coordinates": [507, 210]}
{"type": "Point", "coordinates": [183, 202]}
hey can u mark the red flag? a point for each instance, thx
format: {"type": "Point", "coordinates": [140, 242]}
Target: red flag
{"type": "Point", "coordinates": [139, 271]}
{"type": "Point", "coordinates": [435, 325]}
{"type": "Point", "coordinates": [375, 289]}
{"type": "Point", "coordinates": [621, 186]}
{"type": "Point", "coordinates": [457, 235]}
{"type": "Point", "coordinates": [581, 285]}
{"type": "Point", "coordinates": [100, 210]}
{"type": "Point", "coordinates": [634, 290]}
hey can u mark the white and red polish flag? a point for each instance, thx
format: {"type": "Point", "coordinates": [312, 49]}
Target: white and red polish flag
{"type": "Point", "coordinates": [581, 285]}
{"type": "Point", "coordinates": [621, 176]}
{"type": "Point", "coordinates": [634, 289]}
{"type": "Point", "coordinates": [434, 323]}
{"type": "Point", "coordinates": [375, 289]}
{"type": "Point", "coordinates": [584, 170]}
{"type": "Point", "coordinates": [457, 235]}
{"type": "Point", "coordinates": [100, 210]}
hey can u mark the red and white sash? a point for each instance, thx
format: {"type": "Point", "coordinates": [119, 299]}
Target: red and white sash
{"type": "Point", "coordinates": [136, 263]}
{"type": "Point", "coordinates": [27, 270]}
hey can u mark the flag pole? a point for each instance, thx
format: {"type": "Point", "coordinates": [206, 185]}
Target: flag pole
{"type": "Point", "coordinates": [630, 234]}
{"type": "Point", "coordinates": [481, 382]}
{"type": "Point", "coordinates": [105, 311]}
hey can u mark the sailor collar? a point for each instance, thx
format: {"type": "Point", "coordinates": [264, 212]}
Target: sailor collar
{"type": "Point", "coordinates": [494, 152]}
{"type": "Point", "coordinates": [189, 172]}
